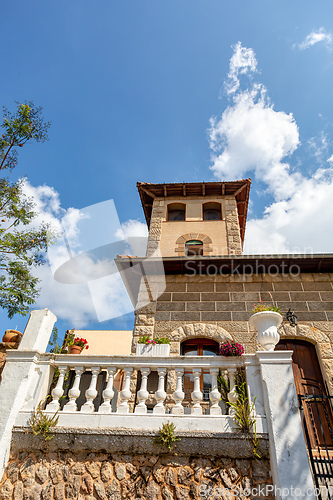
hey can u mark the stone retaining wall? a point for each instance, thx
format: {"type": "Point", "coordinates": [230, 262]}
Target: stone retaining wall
{"type": "Point", "coordinates": [49, 474]}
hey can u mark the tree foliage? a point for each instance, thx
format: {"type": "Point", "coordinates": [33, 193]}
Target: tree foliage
{"type": "Point", "coordinates": [22, 246]}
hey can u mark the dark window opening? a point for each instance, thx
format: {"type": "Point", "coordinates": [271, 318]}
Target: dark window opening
{"type": "Point", "coordinates": [193, 248]}
{"type": "Point", "coordinates": [176, 212]}
{"type": "Point", "coordinates": [212, 211]}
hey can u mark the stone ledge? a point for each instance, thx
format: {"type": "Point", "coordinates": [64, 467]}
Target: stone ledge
{"type": "Point", "coordinates": [127, 441]}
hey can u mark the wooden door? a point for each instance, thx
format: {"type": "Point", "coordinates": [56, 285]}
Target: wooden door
{"type": "Point", "coordinates": [309, 381]}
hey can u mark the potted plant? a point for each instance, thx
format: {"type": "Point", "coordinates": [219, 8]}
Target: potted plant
{"type": "Point", "coordinates": [76, 344]}
{"type": "Point", "coordinates": [153, 347]}
{"type": "Point", "coordinates": [231, 349]}
{"type": "Point", "coordinates": [266, 319]}
{"type": "Point", "coordinates": [13, 336]}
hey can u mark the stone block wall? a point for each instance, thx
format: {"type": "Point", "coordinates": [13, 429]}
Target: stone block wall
{"type": "Point", "coordinates": [219, 307]}
{"type": "Point", "coordinates": [47, 473]}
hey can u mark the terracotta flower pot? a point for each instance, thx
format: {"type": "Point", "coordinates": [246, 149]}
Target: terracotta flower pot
{"type": "Point", "coordinates": [74, 349]}
{"type": "Point", "coordinates": [12, 336]}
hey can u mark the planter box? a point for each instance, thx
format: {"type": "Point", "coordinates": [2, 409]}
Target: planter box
{"type": "Point", "coordinates": [158, 350]}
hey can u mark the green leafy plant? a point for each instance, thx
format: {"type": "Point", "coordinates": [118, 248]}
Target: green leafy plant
{"type": "Point", "coordinates": [166, 436]}
{"type": "Point", "coordinates": [22, 246]}
{"type": "Point", "coordinates": [53, 343]}
{"type": "Point", "coordinates": [243, 416]}
{"type": "Point", "coordinates": [223, 384]}
{"type": "Point", "coordinates": [264, 307]}
{"type": "Point", "coordinates": [145, 339]}
{"type": "Point", "coordinates": [41, 423]}
{"type": "Point", "coordinates": [162, 340]}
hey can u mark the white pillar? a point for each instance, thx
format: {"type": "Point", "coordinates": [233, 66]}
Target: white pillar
{"type": "Point", "coordinates": [38, 331]}
{"type": "Point", "coordinates": [21, 368]}
{"type": "Point", "coordinates": [91, 392]}
{"type": "Point", "coordinates": [160, 394]}
{"type": "Point", "coordinates": [58, 391]}
{"type": "Point", "coordinates": [74, 392]}
{"type": "Point", "coordinates": [214, 394]}
{"type": "Point", "coordinates": [232, 394]}
{"type": "Point", "coordinates": [196, 395]}
{"type": "Point", "coordinates": [108, 393]}
{"type": "Point", "coordinates": [143, 394]}
{"type": "Point", "coordinates": [289, 459]}
{"type": "Point", "coordinates": [125, 394]}
{"type": "Point", "coordinates": [178, 395]}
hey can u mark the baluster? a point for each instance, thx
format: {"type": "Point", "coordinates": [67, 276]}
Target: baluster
{"type": "Point", "coordinates": [160, 394]}
{"type": "Point", "coordinates": [214, 395]}
{"type": "Point", "coordinates": [108, 393]}
{"type": "Point", "coordinates": [57, 391]}
{"type": "Point", "coordinates": [196, 395]}
{"type": "Point", "coordinates": [232, 395]}
{"type": "Point", "coordinates": [143, 394]}
{"type": "Point", "coordinates": [178, 395]}
{"type": "Point", "coordinates": [125, 394]}
{"type": "Point", "coordinates": [74, 392]}
{"type": "Point", "coordinates": [91, 392]}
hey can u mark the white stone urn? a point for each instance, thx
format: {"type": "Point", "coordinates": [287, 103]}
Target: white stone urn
{"type": "Point", "coordinates": [158, 350]}
{"type": "Point", "coordinates": [267, 322]}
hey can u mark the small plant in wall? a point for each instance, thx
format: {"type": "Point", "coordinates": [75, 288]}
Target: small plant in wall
{"type": "Point", "coordinates": [166, 436]}
{"type": "Point", "coordinates": [244, 417]}
{"type": "Point", "coordinates": [41, 423]}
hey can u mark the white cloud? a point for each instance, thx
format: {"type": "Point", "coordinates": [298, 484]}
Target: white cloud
{"type": "Point", "coordinates": [316, 37]}
{"type": "Point", "coordinates": [88, 287]}
{"type": "Point", "coordinates": [242, 62]}
{"type": "Point", "coordinates": [252, 138]}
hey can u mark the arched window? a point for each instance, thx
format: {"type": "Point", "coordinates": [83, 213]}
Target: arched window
{"type": "Point", "coordinates": [212, 211]}
{"type": "Point", "coordinates": [176, 212]}
{"type": "Point", "coordinates": [193, 248]}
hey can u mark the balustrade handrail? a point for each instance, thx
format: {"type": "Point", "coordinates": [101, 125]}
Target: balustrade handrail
{"type": "Point", "coordinates": [134, 361]}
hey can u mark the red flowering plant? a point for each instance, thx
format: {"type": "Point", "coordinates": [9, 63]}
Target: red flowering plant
{"type": "Point", "coordinates": [79, 341]}
{"type": "Point", "coordinates": [231, 349]}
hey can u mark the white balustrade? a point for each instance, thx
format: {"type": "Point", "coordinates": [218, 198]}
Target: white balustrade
{"type": "Point", "coordinates": [91, 393]}
{"type": "Point", "coordinates": [125, 394]}
{"type": "Point", "coordinates": [126, 364]}
{"type": "Point", "coordinates": [214, 395]}
{"type": "Point", "coordinates": [58, 391]}
{"type": "Point", "coordinates": [178, 395]}
{"type": "Point", "coordinates": [232, 394]}
{"type": "Point", "coordinates": [160, 394]}
{"type": "Point", "coordinates": [143, 394]}
{"type": "Point", "coordinates": [196, 395]}
{"type": "Point", "coordinates": [108, 392]}
{"type": "Point", "coordinates": [74, 392]}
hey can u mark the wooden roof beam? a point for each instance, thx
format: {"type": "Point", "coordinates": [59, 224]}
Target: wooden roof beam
{"type": "Point", "coordinates": [152, 195]}
{"type": "Point", "coordinates": [184, 189]}
{"type": "Point", "coordinates": [165, 191]}
{"type": "Point", "coordinates": [239, 190]}
{"type": "Point", "coordinates": [203, 189]}
{"type": "Point", "coordinates": [223, 189]}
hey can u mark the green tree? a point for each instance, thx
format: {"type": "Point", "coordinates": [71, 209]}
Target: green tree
{"type": "Point", "coordinates": [22, 246]}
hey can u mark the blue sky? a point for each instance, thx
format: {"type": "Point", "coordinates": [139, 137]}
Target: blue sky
{"type": "Point", "coordinates": [131, 87]}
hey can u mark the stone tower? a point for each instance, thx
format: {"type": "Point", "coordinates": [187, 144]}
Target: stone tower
{"type": "Point", "coordinates": [194, 228]}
